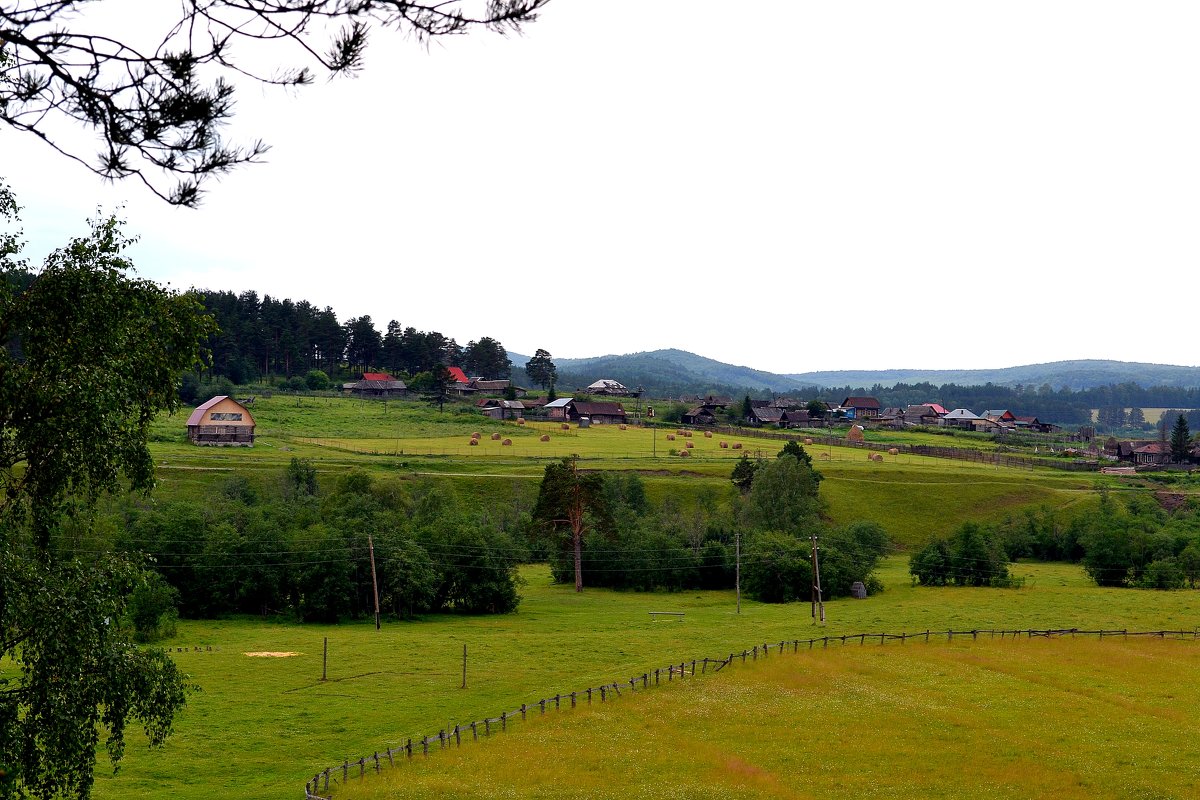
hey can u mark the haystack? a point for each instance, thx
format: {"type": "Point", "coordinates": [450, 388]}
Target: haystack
{"type": "Point", "coordinates": [474, 443]}
{"type": "Point", "coordinates": [807, 440]}
{"type": "Point", "coordinates": [708, 434]}
{"type": "Point", "coordinates": [724, 445]}
{"type": "Point", "coordinates": [670, 437]}
{"type": "Point", "coordinates": [892, 451]}
{"type": "Point", "coordinates": [689, 444]}
{"type": "Point", "coordinates": [737, 445]}
{"type": "Point", "coordinates": [545, 437]}
{"type": "Point", "coordinates": [495, 437]}
{"type": "Point", "coordinates": [855, 434]}
{"type": "Point", "coordinates": [506, 443]}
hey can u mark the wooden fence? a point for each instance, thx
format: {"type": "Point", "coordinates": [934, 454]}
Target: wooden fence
{"type": "Point", "coordinates": [453, 737]}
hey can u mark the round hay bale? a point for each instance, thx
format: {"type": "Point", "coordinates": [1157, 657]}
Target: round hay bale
{"type": "Point", "coordinates": [892, 451]}
{"type": "Point", "coordinates": [807, 440]}
{"type": "Point", "coordinates": [670, 437]}
{"type": "Point", "coordinates": [681, 432]}
{"type": "Point", "coordinates": [690, 444]}
{"type": "Point", "coordinates": [708, 434]}
{"type": "Point", "coordinates": [475, 435]}
{"type": "Point", "coordinates": [870, 456]}
{"type": "Point", "coordinates": [622, 427]}
{"type": "Point", "coordinates": [684, 454]}
{"type": "Point", "coordinates": [495, 437]}
{"type": "Point", "coordinates": [724, 445]}
{"type": "Point", "coordinates": [566, 427]}
{"type": "Point", "coordinates": [506, 443]}
{"type": "Point", "coordinates": [877, 457]}
{"type": "Point", "coordinates": [474, 443]}
{"type": "Point", "coordinates": [687, 434]}
{"type": "Point", "coordinates": [545, 437]}
{"type": "Point", "coordinates": [521, 421]}
{"type": "Point", "coordinates": [737, 445]}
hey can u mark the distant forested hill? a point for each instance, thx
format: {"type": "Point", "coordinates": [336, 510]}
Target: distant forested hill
{"type": "Point", "coordinates": [1075, 375]}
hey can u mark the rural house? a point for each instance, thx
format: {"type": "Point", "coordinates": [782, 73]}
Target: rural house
{"type": "Point", "coordinates": [376, 384]}
{"type": "Point", "coordinates": [557, 409]}
{"type": "Point", "coordinates": [700, 415]}
{"type": "Point", "coordinates": [494, 387]}
{"type": "Point", "coordinates": [597, 413]}
{"type": "Point", "coordinates": [921, 415]}
{"type": "Point", "coordinates": [606, 386]}
{"type": "Point", "coordinates": [221, 422]}
{"type": "Point", "coordinates": [765, 416]}
{"type": "Point", "coordinates": [795, 418]}
{"type": "Point", "coordinates": [502, 409]}
{"type": "Point", "coordinates": [861, 407]}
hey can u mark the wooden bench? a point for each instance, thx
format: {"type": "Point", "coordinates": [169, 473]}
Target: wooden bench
{"type": "Point", "coordinates": [654, 615]}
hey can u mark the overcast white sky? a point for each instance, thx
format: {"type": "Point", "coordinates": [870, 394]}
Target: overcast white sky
{"type": "Point", "coordinates": [787, 185]}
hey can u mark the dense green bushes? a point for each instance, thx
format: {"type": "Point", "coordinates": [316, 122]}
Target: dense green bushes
{"type": "Point", "coordinates": [309, 556]}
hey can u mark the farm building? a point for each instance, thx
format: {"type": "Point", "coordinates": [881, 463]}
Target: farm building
{"type": "Point", "coordinates": [921, 415]}
{"type": "Point", "coordinates": [221, 422]}
{"type": "Point", "coordinates": [960, 418]}
{"type": "Point", "coordinates": [765, 416]}
{"type": "Point", "coordinates": [495, 387]}
{"type": "Point", "coordinates": [700, 415]}
{"type": "Point", "coordinates": [376, 384]}
{"type": "Point", "coordinates": [598, 413]}
{"type": "Point", "coordinates": [557, 409]}
{"type": "Point", "coordinates": [606, 386]}
{"type": "Point", "coordinates": [861, 407]}
{"type": "Point", "coordinates": [502, 409]}
{"type": "Point", "coordinates": [795, 418]}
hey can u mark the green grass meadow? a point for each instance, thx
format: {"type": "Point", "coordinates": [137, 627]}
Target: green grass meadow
{"type": "Point", "coordinates": [1034, 718]}
{"type": "Point", "coordinates": [261, 726]}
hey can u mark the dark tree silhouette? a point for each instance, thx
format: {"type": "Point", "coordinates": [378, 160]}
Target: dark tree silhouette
{"type": "Point", "coordinates": [157, 111]}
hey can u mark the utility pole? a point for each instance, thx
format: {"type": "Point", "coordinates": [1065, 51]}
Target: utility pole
{"type": "Point", "coordinates": [737, 540]}
{"type": "Point", "coordinates": [817, 602]}
{"type": "Point", "coordinates": [374, 581]}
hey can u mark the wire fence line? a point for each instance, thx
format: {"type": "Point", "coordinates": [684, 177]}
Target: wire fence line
{"type": "Point", "coordinates": [453, 737]}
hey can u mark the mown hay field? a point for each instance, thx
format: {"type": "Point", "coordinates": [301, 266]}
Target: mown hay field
{"type": "Point", "coordinates": [1064, 718]}
{"type": "Point", "coordinates": [261, 726]}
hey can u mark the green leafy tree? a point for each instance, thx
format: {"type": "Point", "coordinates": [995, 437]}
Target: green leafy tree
{"type": "Point", "coordinates": [316, 380]}
{"type": "Point", "coordinates": [91, 357]}
{"type": "Point", "coordinates": [1181, 440]}
{"type": "Point", "coordinates": [486, 358]}
{"type": "Point", "coordinates": [540, 369]}
{"type": "Point", "coordinates": [784, 497]}
{"type": "Point", "coordinates": [570, 502]}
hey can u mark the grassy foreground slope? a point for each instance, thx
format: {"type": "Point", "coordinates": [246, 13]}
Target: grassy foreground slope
{"type": "Point", "coordinates": [1031, 718]}
{"type": "Point", "coordinates": [260, 726]}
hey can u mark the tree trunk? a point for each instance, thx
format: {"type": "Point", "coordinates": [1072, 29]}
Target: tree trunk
{"type": "Point", "coordinates": [577, 537]}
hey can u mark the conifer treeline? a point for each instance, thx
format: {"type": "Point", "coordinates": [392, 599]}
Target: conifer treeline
{"type": "Point", "coordinates": [267, 337]}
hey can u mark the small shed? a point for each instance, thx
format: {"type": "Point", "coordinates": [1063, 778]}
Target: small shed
{"type": "Point", "coordinates": [221, 422]}
{"type": "Point", "coordinates": [858, 590]}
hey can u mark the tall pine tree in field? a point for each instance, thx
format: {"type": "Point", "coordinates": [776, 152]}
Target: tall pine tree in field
{"type": "Point", "coordinates": [1181, 440]}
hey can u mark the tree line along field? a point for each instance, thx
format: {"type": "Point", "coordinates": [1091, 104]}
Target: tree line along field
{"type": "Point", "coordinates": [261, 726]}
{"type": "Point", "coordinates": [913, 497]}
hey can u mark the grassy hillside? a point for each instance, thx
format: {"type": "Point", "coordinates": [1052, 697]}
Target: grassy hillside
{"type": "Point", "coordinates": [260, 726]}
{"type": "Point", "coordinates": [913, 497]}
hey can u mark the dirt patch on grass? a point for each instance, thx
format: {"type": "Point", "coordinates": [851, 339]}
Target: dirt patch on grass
{"type": "Point", "coordinates": [271, 654]}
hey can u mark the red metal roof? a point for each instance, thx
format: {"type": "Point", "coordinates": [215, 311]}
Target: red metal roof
{"type": "Point", "coordinates": [458, 374]}
{"type": "Point", "coordinates": [377, 376]}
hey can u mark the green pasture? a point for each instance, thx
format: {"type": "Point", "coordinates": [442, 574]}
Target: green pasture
{"type": "Point", "coordinates": [913, 497]}
{"type": "Point", "coordinates": [1065, 718]}
{"type": "Point", "coordinates": [261, 726]}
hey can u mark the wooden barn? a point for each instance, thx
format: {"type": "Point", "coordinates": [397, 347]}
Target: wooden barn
{"type": "Point", "coordinates": [221, 422]}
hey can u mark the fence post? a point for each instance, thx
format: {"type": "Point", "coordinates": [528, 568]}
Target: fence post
{"type": "Point", "coordinates": [457, 736]}
{"type": "Point", "coordinates": [522, 711]}
{"type": "Point", "coordinates": [603, 694]}
{"type": "Point", "coordinates": [377, 761]}
{"type": "Point", "coordinates": [474, 732]}
{"type": "Point", "coordinates": [503, 720]}
{"type": "Point", "coordinates": [345, 770]}
{"type": "Point", "coordinates": [572, 699]}
{"type": "Point", "coordinates": [408, 747]}
{"type": "Point", "coordinates": [541, 703]}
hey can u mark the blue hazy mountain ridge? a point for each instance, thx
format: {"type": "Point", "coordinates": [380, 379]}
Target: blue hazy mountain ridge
{"type": "Point", "coordinates": [681, 371]}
